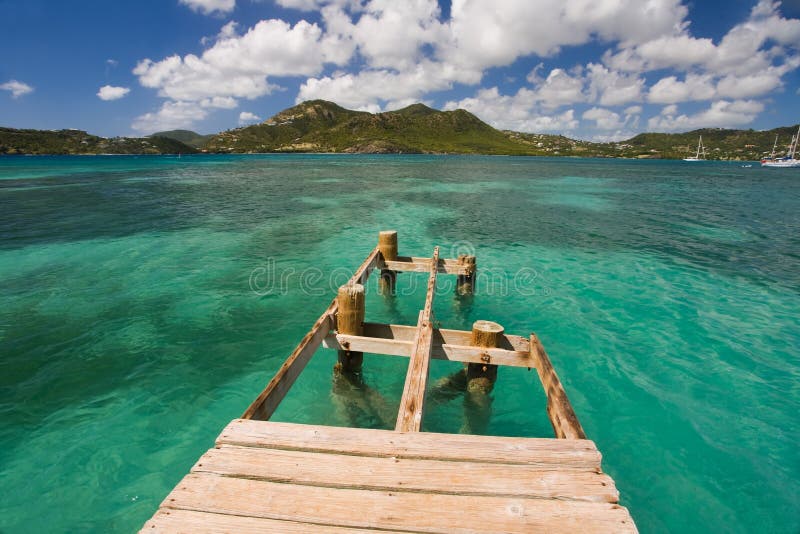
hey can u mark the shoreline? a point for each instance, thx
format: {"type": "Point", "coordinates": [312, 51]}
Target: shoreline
{"type": "Point", "coordinates": [356, 154]}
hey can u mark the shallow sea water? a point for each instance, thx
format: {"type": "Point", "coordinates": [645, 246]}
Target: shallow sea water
{"type": "Point", "coordinates": [145, 301]}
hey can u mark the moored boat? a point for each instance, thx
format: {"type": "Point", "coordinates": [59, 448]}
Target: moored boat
{"type": "Point", "coordinates": [788, 161]}
{"type": "Point", "coordinates": [700, 149]}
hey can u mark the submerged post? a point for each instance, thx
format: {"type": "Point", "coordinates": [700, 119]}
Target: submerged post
{"type": "Point", "coordinates": [387, 244]}
{"type": "Point", "coordinates": [465, 284]}
{"type": "Point", "coordinates": [481, 376]}
{"type": "Point", "coordinates": [350, 320]}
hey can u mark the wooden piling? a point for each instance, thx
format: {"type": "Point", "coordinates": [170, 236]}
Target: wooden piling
{"type": "Point", "coordinates": [350, 320]}
{"type": "Point", "coordinates": [387, 244]}
{"type": "Point", "coordinates": [465, 284]}
{"type": "Point", "coordinates": [481, 376]}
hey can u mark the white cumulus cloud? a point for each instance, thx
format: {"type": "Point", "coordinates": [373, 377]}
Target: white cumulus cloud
{"type": "Point", "coordinates": [303, 5]}
{"type": "Point", "coordinates": [670, 90]}
{"type": "Point", "coordinates": [391, 34]}
{"type": "Point", "coordinates": [16, 88]}
{"type": "Point", "coordinates": [613, 88]}
{"type": "Point", "coordinates": [238, 67]}
{"type": "Point", "coordinates": [382, 54]}
{"type": "Point", "coordinates": [605, 119]}
{"type": "Point", "coordinates": [559, 88]}
{"type": "Point", "coordinates": [369, 88]}
{"type": "Point", "coordinates": [245, 117]}
{"type": "Point", "coordinates": [748, 47]}
{"type": "Point", "coordinates": [514, 112]}
{"type": "Point", "coordinates": [110, 92]}
{"type": "Point", "coordinates": [171, 116]}
{"type": "Point", "coordinates": [495, 33]}
{"type": "Point", "coordinates": [208, 7]}
{"type": "Point", "coordinates": [721, 114]}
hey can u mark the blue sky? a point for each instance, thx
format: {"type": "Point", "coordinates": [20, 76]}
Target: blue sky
{"type": "Point", "coordinates": [591, 69]}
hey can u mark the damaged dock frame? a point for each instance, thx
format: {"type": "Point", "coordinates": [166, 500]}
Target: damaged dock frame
{"type": "Point", "coordinates": [420, 343]}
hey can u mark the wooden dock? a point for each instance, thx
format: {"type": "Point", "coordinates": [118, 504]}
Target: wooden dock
{"type": "Point", "coordinates": [265, 476]}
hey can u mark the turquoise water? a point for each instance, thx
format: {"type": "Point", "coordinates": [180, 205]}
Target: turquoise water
{"type": "Point", "coordinates": [145, 301]}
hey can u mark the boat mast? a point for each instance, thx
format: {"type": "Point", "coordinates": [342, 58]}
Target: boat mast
{"type": "Point", "coordinates": [699, 145]}
{"type": "Point", "coordinates": [774, 147]}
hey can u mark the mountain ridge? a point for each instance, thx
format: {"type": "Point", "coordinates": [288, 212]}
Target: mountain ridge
{"type": "Point", "coordinates": [187, 137]}
{"type": "Point", "coordinates": [322, 126]}
{"type": "Point", "coordinates": [78, 142]}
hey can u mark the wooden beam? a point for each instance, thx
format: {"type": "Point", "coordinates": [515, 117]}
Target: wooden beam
{"type": "Point", "coordinates": [405, 511]}
{"type": "Point", "coordinates": [465, 477]}
{"type": "Point", "coordinates": [544, 453]}
{"type": "Point", "coordinates": [423, 265]}
{"type": "Point", "coordinates": [412, 403]}
{"type": "Point", "coordinates": [362, 273]}
{"type": "Point", "coordinates": [268, 400]}
{"type": "Point", "coordinates": [439, 350]}
{"type": "Point", "coordinates": [559, 410]}
{"type": "Point", "coordinates": [373, 345]}
{"type": "Point", "coordinates": [170, 521]}
{"type": "Point", "coordinates": [442, 335]}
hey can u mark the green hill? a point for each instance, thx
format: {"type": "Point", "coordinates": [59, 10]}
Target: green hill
{"type": "Point", "coordinates": [14, 141]}
{"type": "Point", "coordinates": [320, 126]}
{"type": "Point", "coordinates": [186, 137]}
{"type": "Point", "coordinates": [719, 143]}
{"type": "Point", "coordinates": [557, 145]}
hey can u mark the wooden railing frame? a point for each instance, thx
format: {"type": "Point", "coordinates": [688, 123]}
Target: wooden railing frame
{"type": "Point", "coordinates": [420, 344]}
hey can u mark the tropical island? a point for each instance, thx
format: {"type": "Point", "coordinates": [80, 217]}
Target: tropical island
{"type": "Point", "coordinates": [319, 126]}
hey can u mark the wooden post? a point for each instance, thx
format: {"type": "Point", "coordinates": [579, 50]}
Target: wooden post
{"type": "Point", "coordinates": [481, 377]}
{"type": "Point", "coordinates": [387, 244]}
{"type": "Point", "coordinates": [466, 282]}
{"type": "Point", "coordinates": [350, 320]}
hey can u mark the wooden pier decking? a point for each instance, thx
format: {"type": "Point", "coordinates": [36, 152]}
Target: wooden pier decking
{"type": "Point", "coordinates": [265, 476]}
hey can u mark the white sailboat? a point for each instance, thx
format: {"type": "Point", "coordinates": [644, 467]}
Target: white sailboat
{"type": "Point", "coordinates": [700, 149]}
{"type": "Point", "coordinates": [788, 161]}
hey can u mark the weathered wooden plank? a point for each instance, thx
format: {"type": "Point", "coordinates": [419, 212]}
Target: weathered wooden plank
{"type": "Point", "coordinates": [365, 269]}
{"type": "Point", "coordinates": [496, 356]}
{"type": "Point", "coordinates": [412, 403]}
{"type": "Point", "coordinates": [374, 345]}
{"type": "Point", "coordinates": [400, 474]}
{"type": "Point", "coordinates": [422, 512]}
{"type": "Point", "coordinates": [268, 400]}
{"type": "Point", "coordinates": [439, 351]}
{"type": "Point", "coordinates": [173, 521]}
{"type": "Point", "coordinates": [542, 452]}
{"type": "Point", "coordinates": [442, 336]}
{"type": "Point", "coordinates": [423, 265]}
{"type": "Point", "coordinates": [559, 410]}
